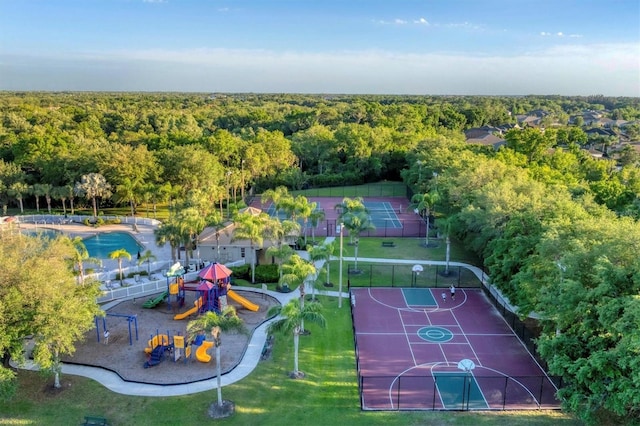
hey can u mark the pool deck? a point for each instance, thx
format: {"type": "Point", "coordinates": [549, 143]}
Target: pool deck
{"type": "Point", "coordinates": [142, 233]}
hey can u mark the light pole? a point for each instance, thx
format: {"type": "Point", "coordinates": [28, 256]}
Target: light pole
{"type": "Point", "coordinates": [340, 276]}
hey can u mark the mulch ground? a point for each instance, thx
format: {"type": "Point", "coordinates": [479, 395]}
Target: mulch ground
{"type": "Point", "coordinates": [128, 360]}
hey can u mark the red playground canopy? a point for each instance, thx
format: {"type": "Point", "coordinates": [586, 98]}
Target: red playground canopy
{"type": "Point", "coordinates": [214, 272]}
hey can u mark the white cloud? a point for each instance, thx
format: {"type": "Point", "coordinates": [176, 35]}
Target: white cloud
{"type": "Point", "coordinates": [155, 1]}
{"type": "Point", "coordinates": [544, 34]}
{"type": "Point", "coordinates": [609, 69]}
{"type": "Point", "coordinates": [559, 34]}
{"type": "Point", "coordinates": [400, 21]}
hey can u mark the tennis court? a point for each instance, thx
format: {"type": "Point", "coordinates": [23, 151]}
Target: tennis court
{"type": "Point", "coordinates": [418, 350]}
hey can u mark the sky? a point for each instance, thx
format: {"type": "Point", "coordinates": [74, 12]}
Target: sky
{"type": "Point", "coordinates": [419, 47]}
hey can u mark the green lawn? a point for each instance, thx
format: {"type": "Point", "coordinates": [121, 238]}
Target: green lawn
{"type": "Point", "coordinates": [328, 395]}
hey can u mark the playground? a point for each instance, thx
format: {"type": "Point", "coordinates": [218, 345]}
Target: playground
{"type": "Point", "coordinates": [128, 360]}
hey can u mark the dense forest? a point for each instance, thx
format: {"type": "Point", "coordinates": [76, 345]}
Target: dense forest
{"type": "Point", "coordinates": [556, 225]}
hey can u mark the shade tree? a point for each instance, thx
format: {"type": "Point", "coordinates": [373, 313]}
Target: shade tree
{"type": "Point", "coordinates": [55, 320]}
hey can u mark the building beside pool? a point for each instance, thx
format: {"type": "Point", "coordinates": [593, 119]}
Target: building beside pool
{"type": "Point", "coordinates": [218, 245]}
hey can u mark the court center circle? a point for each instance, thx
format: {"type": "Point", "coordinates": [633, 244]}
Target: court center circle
{"type": "Point", "coordinates": [435, 334]}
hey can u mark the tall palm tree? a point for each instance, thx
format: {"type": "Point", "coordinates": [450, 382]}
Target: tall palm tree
{"type": "Point", "coordinates": [92, 186]}
{"type": "Point", "coordinates": [281, 254]}
{"type": "Point", "coordinates": [47, 195]}
{"type": "Point", "coordinates": [291, 320]}
{"type": "Point", "coordinates": [17, 190]}
{"type": "Point", "coordinates": [350, 206]}
{"type": "Point", "coordinates": [213, 323]}
{"type": "Point", "coordinates": [446, 225]}
{"type": "Point", "coordinates": [71, 196]}
{"type": "Point", "coordinates": [251, 227]}
{"type": "Point", "coordinates": [129, 191]}
{"type": "Point", "coordinates": [38, 190]}
{"type": "Point", "coordinates": [147, 256]}
{"type": "Point", "coordinates": [357, 222]}
{"type": "Point", "coordinates": [424, 203]}
{"type": "Point", "coordinates": [296, 272]}
{"type": "Point", "coordinates": [315, 218]}
{"type": "Point", "coordinates": [119, 255]}
{"type": "Point", "coordinates": [322, 253]}
{"type": "Point", "coordinates": [191, 223]}
{"type": "Point", "coordinates": [81, 255]}
{"type": "Point", "coordinates": [278, 196]}
{"type": "Point", "coordinates": [305, 209]}
{"type": "Point", "coordinates": [169, 232]}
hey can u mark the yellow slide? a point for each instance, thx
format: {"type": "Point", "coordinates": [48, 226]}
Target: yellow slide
{"type": "Point", "coordinates": [201, 352]}
{"type": "Point", "coordinates": [193, 310]}
{"type": "Point", "coordinates": [244, 302]}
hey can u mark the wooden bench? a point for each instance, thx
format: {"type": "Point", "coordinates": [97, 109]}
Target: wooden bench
{"type": "Point", "coordinates": [95, 420]}
{"type": "Point", "coordinates": [388, 244]}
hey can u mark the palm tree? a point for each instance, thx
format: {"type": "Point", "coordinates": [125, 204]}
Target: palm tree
{"type": "Point", "coordinates": [278, 196]}
{"type": "Point", "coordinates": [446, 225]}
{"type": "Point", "coordinates": [251, 227]}
{"type": "Point", "coordinates": [18, 190]}
{"type": "Point", "coordinates": [281, 254]}
{"type": "Point", "coordinates": [38, 190]}
{"type": "Point", "coordinates": [321, 253]}
{"type": "Point", "coordinates": [129, 191]}
{"type": "Point", "coordinates": [47, 195]}
{"type": "Point", "coordinates": [424, 203]}
{"type": "Point", "coordinates": [191, 223]}
{"type": "Point", "coordinates": [350, 206]}
{"type": "Point", "coordinates": [215, 323]}
{"type": "Point", "coordinates": [305, 209]}
{"type": "Point", "coordinates": [315, 218]}
{"type": "Point", "coordinates": [92, 186]}
{"type": "Point", "coordinates": [291, 320]}
{"type": "Point", "coordinates": [70, 195]}
{"type": "Point", "coordinates": [81, 255]}
{"type": "Point", "coordinates": [357, 222]}
{"type": "Point", "coordinates": [147, 256]}
{"type": "Point", "coordinates": [296, 272]}
{"type": "Point", "coordinates": [170, 233]}
{"type": "Point", "coordinates": [119, 255]}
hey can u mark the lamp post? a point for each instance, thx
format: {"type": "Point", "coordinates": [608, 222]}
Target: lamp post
{"type": "Point", "coordinates": [340, 276]}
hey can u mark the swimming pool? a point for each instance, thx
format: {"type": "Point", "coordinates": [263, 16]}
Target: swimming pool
{"type": "Point", "coordinates": [100, 245]}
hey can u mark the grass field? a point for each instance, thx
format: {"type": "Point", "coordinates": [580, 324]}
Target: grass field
{"type": "Point", "coordinates": [328, 395]}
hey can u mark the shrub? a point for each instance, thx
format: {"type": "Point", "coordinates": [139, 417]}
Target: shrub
{"type": "Point", "coordinates": [242, 271]}
{"type": "Point", "coordinates": [267, 273]}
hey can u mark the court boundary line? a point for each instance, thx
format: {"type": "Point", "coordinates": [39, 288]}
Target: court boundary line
{"type": "Point", "coordinates": [447, 363]}
{"type": "Point", "coordinates": [525, 348]}
{"type": "Point", "coordinates": [432, 365]}
{"type": "Point", "coordinates": [486, 403]}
